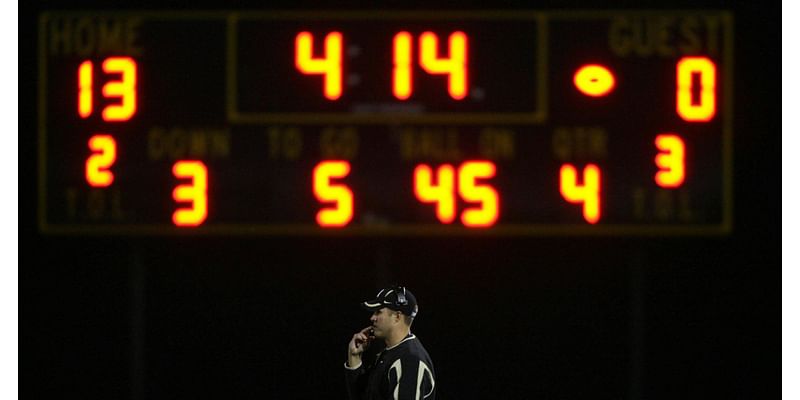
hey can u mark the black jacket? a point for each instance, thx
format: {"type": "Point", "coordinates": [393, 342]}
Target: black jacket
{"type": "Point", "coordinates": [402, 372]}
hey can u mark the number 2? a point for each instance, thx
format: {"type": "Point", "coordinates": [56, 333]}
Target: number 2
{"type": "Point", "coordinates": [104, 154]}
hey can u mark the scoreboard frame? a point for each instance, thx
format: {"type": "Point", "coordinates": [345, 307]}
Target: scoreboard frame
{"type": "Point", "coordinates": [235, 116]}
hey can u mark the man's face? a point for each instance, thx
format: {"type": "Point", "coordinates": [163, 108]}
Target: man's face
{"type": "Point", "coordinates": [383, 321]}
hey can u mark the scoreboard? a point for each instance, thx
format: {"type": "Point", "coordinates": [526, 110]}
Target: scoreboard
{"type": "Point", "coordinates": [386, 123]}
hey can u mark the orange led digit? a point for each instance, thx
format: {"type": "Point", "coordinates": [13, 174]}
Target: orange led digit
{"type": "Point", "coordinates": [330, 66]}
{"type": "Point", "coordinates": [104, 154]}
{"type": "Point", "coordinates": [670, 160]}
{"type": "Point", "coordinates": [85, 89]}
{"type": "Point", "coordinates": [442, 193]}
{"type": "Point", "coordinates": [401, 76]}
{"type": "Point", "coordinates": [455, 66]}
{"type": "Point", "coordinates": [594, 80]}
{"type": "Point", "coordinates": [687, 108]}
{"type": "Point", "coordinates": [196, 193]}
{"type": "Point", "coordinates": [486, 214]}
{"type": "Point", "coordinates": [588, 193]}
{"type": "Point", "coordinates": [342, 213]}
{"type": "Point", "coordinates": [125, 88]}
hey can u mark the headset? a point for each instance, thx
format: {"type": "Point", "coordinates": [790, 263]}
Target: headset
{"type": "Point", "coordinates": [401, 295]}
{"type": "Point", "coordinates": [402, 301]}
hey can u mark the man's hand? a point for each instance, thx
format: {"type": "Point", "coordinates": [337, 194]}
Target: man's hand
{"type": "Point", "coordinates": [358, 344]}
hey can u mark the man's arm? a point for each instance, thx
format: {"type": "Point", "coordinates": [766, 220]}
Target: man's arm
{"type": "Point", "coordinates": [411, 379]}
{"type": "Point", "coordinates": [355, 378]}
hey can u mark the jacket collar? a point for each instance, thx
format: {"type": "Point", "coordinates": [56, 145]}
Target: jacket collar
{"type": "Point", "coordinates": [410, 336]}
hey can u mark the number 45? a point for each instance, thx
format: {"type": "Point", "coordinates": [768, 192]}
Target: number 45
{"type": "Point", "coordinates": [443, 192]}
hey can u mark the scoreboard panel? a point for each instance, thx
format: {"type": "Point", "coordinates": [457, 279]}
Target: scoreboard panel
{"type": "Point", "coordinates": [386, 123]}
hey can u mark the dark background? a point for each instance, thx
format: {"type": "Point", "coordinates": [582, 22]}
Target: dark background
{"type": "Point", "coordinates": [503, 318]}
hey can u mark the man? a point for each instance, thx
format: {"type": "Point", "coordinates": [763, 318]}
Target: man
{"type": "Point", "coordinates": [385, 360]}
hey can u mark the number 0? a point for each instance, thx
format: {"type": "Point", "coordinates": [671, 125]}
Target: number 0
{"type": "Point", "coordinates": [705, 109]}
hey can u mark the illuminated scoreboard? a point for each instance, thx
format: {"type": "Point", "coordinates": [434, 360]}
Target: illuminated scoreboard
{"type": "Point", "coordinates": [399, 123]}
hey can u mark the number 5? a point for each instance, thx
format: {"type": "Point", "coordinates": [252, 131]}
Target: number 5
{"type": "Point", "coordinates": [342, 213]}
{"type": "Point", "coordinates": [486, 215]}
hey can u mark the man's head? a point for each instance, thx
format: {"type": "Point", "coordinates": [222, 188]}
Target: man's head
{"type": "Point", "coordinates": [393, 310]}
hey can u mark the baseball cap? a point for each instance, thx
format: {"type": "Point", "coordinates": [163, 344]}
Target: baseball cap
{"type": "Point", "coordinates": [397, 298]}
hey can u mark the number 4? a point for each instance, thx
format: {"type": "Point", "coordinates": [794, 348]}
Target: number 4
{"type": "Point", "coordinates": [330, 66]}
{"type": "Point", "coordinates": [588, 193]}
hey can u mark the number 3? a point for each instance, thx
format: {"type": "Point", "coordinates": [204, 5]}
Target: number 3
{"type": "Point", "coordinates": [196, 193]}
